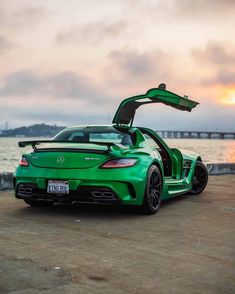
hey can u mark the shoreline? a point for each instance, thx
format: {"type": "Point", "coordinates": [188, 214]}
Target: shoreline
{"type": "Point", "coordinates": [6, 178]}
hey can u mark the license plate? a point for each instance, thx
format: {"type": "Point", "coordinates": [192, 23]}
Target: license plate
{"type": "Point", "coordinates": [58, 187]}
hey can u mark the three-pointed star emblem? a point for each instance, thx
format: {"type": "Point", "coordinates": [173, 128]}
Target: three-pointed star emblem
{"type": "Point", "coordinates": [60, 159]}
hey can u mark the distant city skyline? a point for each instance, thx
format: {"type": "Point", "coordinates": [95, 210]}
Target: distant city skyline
{"type": "Point", "coordinates": [72, 62]}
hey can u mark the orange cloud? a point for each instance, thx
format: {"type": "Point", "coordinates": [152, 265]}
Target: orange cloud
{"type": "Point", "coordinates": [227, 95]}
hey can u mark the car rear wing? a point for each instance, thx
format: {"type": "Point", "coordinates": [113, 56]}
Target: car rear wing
{"type": "Point", "coordinates": [34, 143]}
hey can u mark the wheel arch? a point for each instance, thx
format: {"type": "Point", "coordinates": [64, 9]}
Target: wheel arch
{"type": "Point", "coordinates": [147, 205]}
{"type": "Point", "coordinates": [199, 158]}
{"type": "Point", "coordinates": [205, 178]}
{"type": "Point", "coordinates": [158, 165]}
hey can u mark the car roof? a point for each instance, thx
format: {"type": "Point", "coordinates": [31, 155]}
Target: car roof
{"type": "Point", "coordinates": [96, 126]}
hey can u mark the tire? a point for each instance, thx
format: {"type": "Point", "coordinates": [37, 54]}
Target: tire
{"type": "Point", "coordinates": [38, 203]}
{"type": "Point", "coordinates": [200, 178]}
{"type": "Point", "coordinates": [152, 197]}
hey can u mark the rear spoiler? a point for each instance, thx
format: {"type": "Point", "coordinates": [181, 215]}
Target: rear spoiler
{"type": "Point", "coordinates": [38, 142]}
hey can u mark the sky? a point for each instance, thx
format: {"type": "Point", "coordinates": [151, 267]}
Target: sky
{"type": "Point", "coordinates": [72, 62]}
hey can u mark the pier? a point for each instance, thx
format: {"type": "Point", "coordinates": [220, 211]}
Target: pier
{"type": "Point", "coordinates": [197, 134]}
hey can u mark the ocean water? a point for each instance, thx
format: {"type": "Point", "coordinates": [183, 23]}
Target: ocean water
{"type": "Point", "coordinates": [211, 150]}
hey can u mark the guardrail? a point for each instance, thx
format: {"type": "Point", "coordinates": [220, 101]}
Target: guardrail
{"type": "Point", "coordinates": [220, 168]}
{"type": "Point", "coordinates": [197, 134]}
{"type": "Point", "coordinates": [6, 179]}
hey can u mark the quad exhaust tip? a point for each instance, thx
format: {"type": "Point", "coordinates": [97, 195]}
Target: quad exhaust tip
{"type": "Point", "coordinates": [27, 191]}
{"type": "Point", "coordinates": [102, 195]}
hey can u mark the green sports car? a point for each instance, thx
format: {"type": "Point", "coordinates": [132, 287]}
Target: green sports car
{"type": "Point", "coordinates": [117, 164]}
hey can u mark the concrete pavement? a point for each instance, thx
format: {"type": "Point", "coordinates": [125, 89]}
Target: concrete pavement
{"type": "Point", "coordinates": [188, 247]}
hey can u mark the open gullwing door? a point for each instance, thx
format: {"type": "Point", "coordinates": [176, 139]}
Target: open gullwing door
{"type": "Point", "coordinates": [126, 111]}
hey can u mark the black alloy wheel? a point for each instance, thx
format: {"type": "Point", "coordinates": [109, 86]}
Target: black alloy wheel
{"type": "Point", "coordinates": [152, 198]}
{"type": "Point", "coordinates": [200, 178]}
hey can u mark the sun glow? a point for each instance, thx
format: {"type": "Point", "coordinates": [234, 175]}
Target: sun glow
{"type": "Point", "coordinates": [228, 96]}
{"type": "Point", "coordinates": [233, 100]}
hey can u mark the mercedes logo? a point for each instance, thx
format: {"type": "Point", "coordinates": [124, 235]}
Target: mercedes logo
{"type": "Point", "coordinates": [60, 159]}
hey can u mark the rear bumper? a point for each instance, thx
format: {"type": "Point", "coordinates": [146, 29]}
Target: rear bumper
{"type": "Point", "coordinates": [124, 186]}
{"type": "Point", "coordinates": [88, 194]}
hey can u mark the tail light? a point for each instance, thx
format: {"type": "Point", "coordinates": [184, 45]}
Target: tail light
{"type": "Point", "coordinates": [120, 162]}
{"type": "Point", "coordinates": [23, 161]}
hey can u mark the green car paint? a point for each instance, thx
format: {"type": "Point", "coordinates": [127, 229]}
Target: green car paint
{"type": "Point", "coordinates": [126, 110]}
{"type": "Point", "coordinates": [111, 164]}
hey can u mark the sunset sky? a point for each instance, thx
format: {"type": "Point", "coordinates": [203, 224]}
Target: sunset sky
{"type": "Point", "coordinates": [72, 62]}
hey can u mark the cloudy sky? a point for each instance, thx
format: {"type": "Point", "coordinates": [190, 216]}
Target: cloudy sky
{"type": "Point", "coordinates": [72, 62]}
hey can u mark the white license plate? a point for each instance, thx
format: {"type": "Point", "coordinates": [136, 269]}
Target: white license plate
{"type": "Point", "coordinates": [58, 187]}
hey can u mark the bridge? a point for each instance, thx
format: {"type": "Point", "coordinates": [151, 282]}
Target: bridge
{"type": "Point", "coordinates": [197, 134]}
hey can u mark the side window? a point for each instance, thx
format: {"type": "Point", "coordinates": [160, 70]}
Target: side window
{"type": "Point", "coordinates": [76, 136]}
{"type": "Point", "coordinates": [150, 141]}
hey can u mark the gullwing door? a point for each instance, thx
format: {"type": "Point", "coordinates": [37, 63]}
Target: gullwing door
{"type": "Point", "coordinates": [126, 111]}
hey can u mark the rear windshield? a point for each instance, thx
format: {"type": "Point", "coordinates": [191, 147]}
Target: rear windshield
{"type": "Point", "coordinates": [96, 134]}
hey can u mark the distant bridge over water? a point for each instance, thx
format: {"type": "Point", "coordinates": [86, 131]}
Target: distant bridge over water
{"type": "Point", "coordinates": [197, 134]}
